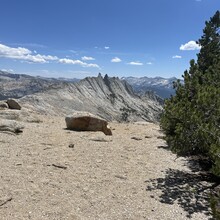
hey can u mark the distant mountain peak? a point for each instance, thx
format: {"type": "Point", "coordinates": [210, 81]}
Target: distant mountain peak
{"type": "Point", "coordinates": [163, 87]}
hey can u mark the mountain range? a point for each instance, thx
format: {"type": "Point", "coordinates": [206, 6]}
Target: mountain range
{"type": "Point", "coordinates": [163, 87]}
{"type": "Point", "coordinates": [107, 97]}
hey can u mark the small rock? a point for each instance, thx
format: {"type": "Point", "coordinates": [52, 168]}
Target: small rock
{"type": "Point", "coordinates": [71, 145]}
{"type": "Point", "coordinates": [100, 139]}
{"type": "Point", "coordinates": [13, 104]}
{"type": "Point", "coordinates": [136, 138]}
{"type": "Point", "coordinates": [121, 177]}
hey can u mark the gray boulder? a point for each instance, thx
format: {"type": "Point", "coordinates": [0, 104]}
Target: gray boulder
{"type": "Point", "coordinates": [84, 121]}
{"type": "Point", "coordinates": [13, 104]}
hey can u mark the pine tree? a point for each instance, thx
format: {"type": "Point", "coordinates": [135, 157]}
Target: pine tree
{"type": "Point", "coordinates": [210, 43]}
{"type": "Point", "coordinates": [191, 118]}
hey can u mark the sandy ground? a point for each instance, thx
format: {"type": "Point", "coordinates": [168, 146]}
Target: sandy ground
{"type": "Point", "coordinates": [48, 172]}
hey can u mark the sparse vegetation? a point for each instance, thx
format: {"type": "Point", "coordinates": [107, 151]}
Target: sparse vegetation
{"type": "Point", "coordinates": [191, 120]}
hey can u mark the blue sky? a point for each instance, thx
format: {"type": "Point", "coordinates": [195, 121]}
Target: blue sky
{"type": "Point", "coordinates": [79, 38]}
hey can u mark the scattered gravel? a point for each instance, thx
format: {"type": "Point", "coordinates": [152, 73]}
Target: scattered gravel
{"type": "Point", "coordinates": [48, 172]}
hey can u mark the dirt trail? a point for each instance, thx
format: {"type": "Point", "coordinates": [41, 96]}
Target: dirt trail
{"type": "Point", "coordinates": [51, 173]}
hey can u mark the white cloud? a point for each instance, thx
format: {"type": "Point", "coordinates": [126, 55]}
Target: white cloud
{"type": "Point", "coordinates": [78, 62]}
{"type": "Point", "coordinates": [176, 57]}
{"type": "Point", "coordinates": [13, 52]}
{"type": "Point", "coordinates": [116, 60]}
{"type": "Point", "coordinates": [48, 57]}
{"type": "Point", "coordinates": [135, 63]}
{"type": "Point", "coordinates": [72, 51]}
{"type": "Point", "coordinates": [21, 53]}
{"type": "Point", "coordinates": [149, 63]}
{"type": "Point", "coordinates": [87, 58]}
{"type": "Point", "coordinates": [191, 45]}
{"type": "Point", "coordinates": [92, 65]}
{"type": "Point", "coordinates": [8, 70]}
{"type": "Point", "coordinates": [107, 48]}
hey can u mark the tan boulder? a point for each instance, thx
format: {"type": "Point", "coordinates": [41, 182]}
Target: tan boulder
{"type": "Point", "coordinates": [84, 121]}
{"type": "Point", "coordinates": [13, 104]}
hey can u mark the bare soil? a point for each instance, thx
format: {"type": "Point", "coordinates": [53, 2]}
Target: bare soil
{"type": "Point", "coordinates": [48, 172]}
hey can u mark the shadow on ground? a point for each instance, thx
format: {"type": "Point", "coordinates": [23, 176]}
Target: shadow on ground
{"type": "Point", "coordinates": [190, 190]}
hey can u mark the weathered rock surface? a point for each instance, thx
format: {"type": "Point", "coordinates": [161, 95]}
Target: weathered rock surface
{"type": "Point", "coordinates": [84, 121]}
{"type": "Point", "coordinates": [11, 126]}
{"type": "Point", "coordinates": [24, 115]}
{"type": "Point", "coordinates": [3, 105]}
{"type": "Point", "coordinates": [13, 104]}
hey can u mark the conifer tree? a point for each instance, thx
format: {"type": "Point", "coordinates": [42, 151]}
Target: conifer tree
{"type": "Point", "coordinates": [191, 118]}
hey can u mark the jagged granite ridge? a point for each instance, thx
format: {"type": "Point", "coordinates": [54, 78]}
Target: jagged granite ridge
{"type": "Point", "coordinates": [108, 97]}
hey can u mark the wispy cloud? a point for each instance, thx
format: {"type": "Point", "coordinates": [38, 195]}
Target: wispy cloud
{"type": "Point", "coordinates": [106, 47]}
{"type": "Point", "coordinates": [78, 62]}
{"type": "Point", "coordinates": [149, 63]}
{"type": "Point", "coordinates": [191, 45]}
{"type": "Point", "coordinates": [85, 58]}
{"type": "Point", "coordinates": [136, 63]}
{"type": "Point", "coordinates": [176, 57]}
{"type": "Point", "coordinates": [116, 60]}
{"type": "Point", "coordinates": [21, 53]}
{"type": "Point", "coordinates": [73, 51]}
{"type": "Point", "coordinates": [24, 54]}
{"type": "Point", "coordinates": [8, 70]}
{"type": "Point", "coordinates": [35, 45]}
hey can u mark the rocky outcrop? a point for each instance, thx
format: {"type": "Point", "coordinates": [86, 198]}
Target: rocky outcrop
{"type": "Point", "coordinates": [3, 105]}
{"type": "Point", "coordinates": [84, 121]}
{"type": "Point", "coordinates": [24, 115]}
{"type": "Point", "coordinates": [152, 96]}
{"type": "Point", "coordinates": [10, 126]}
